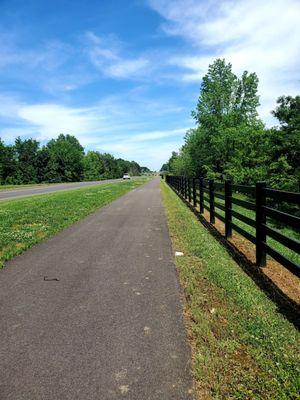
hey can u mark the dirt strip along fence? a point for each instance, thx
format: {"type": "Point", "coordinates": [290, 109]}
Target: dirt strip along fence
{"type": "Point", "coordinates": [261, 204]}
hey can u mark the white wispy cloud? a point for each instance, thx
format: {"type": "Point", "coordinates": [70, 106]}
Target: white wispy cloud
{"type": "Point", "coordinates": [105, 54]}
{"type": "Point", "coordinates": [252, 35]}
{"type": "Point", "coordinates": [112, 124]}
{"type": "Point", "coordinates": [154, 135]}
{"type": "Point", "coordinates": [45, 64]}
{"type": "Point", "coordinates": [48, 56]}
{"type": "Point", "coordinates": [155, 154]}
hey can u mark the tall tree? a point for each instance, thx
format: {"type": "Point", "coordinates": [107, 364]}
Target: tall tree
{"type": "Point", "coordinates": [111, 169]}
{"type": "Point", "coordinates": [225, 100]}
{"type": "Point", "coordinates": [26, 152]}
{"type": "Point", "coordinates": [226, 107]}
{"type": "Point", "coordinates": [123, 166]}
{"type": "Point", "coordinates": [8, 164]}
{"type": "Point", "coordinates": [284, 144]}
{"type": "Point", "coordinates": [231, 142]}
{"type": "Point", "coordinates": [93, 166]}
{"type": "Point", "coordinates": [134, 168]}
{"type": "Point", "coordinates": [43, 158]}
{"type": "Point", "coordinates": [65, 159]}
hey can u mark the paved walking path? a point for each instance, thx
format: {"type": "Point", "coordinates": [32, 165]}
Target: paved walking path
{"type": "Point", "coordinates": [111, 326]}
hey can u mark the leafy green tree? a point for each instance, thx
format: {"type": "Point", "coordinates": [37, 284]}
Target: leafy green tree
{"type": "Point", "coordinates": [226, 106]}
{"type": "Point", "coordinates": [165, 167]}
{"type": "Point", "coordinates": [61, 160]}
{"type": "Point", "coordinates": [8, 164]}
{"type": "Point", "coordinates": [65, 159]}
{"type": "Point", "coordinates": [226, 118]}
{"type": "Point", "coordinates": [93, 166]}
{"type": "Point", "coordinates": [225, 100]}
{"type": "Point", "coordinates": [123, 166]}
{"type": "Point", "coordinates": [111, 169]}
{"type": "Point", "coordinates": [231, 142]}
{"type": "Point", "coordinates": [26, 152]}
{"type": "Point", "coordinates": [43, 158]}
{"type": "Point", "coordinates": [134, 169]}
{"type": "Point", "coordinates": [284, 145]}
{"type": "Point", "coordinates": [145, 170]}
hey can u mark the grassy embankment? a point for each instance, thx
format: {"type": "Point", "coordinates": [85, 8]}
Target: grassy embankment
{"type": "Point", "coordinates": [6, 187]}
{"type": "Point", "coordinates": [242, 347]}
{"type": "Point", "coordinates": [32, 185]}
{"type": "Point", "coordinates": [26, 221]}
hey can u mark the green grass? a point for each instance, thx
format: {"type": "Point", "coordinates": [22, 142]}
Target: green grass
{"type": "Point", "coordinates": [28, 185]}
{"type": "Point", "coordinates": [26, 221]}
{"type": "Point", "coordinates": [6, 187]}
{"type": "Point", "coordinates": [242, 347]}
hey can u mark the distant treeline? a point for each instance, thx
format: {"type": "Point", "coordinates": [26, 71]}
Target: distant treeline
{"type": "Point", "coordinates": [60, 160]}
{"type": "Point", "coordinates": [231, 142]}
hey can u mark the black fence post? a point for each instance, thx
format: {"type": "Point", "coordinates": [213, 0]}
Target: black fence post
{"type": "Point", "coordinates": [186, 188]}
{"type": "Point", "coordinates": [194, 193]}
{"type": "Point", "coordinates": [189, 190]}
{"type": "Point", "coordinates": [228, 208]}
{"type": "Point", "coordinates": [260, 220]}
{"type": "Point", "coordinates": [184, 183]}
{"type": "Point", "coordinates": [201, 195]}
{"type": "Point", "coordinates": [211, 202]}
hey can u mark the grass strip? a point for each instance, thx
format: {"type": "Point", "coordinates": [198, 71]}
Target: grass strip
{"type": "Point", "coordinates": [26, 221]}
{"type": "Point", "coordinates": [25, 186]}
{"type": "Point", "coordinates": [242, 347]}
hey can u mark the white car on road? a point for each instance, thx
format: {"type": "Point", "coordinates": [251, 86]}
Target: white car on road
{"type": "Point", "coordinates": [126, 176]}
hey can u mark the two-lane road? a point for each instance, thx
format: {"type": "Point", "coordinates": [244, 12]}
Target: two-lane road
{"type": "Point", "coordinates": [11, 194]}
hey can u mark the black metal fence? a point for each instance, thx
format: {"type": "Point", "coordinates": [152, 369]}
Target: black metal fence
{"type": "Point", "coordinates": [215, 196]}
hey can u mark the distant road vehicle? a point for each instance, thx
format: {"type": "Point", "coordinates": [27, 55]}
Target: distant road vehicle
{"type": "Point", "coordinates": [126, 176]}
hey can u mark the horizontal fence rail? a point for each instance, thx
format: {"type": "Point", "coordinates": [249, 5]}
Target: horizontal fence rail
{"type": "Point", "coordinates": [218, 197]}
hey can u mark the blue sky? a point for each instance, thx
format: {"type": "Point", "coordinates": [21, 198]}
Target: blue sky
{"type": "Point", "coordinates": [124, 75]}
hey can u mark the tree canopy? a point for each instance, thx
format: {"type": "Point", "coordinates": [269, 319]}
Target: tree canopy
{"type": "Point", "coordinates": [61, 160]}
{"type": "Point", "coordinates": [231, 142]}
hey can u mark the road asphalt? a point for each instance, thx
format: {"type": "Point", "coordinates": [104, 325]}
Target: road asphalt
{"type": "Point", "coordinates": [11, 194]}
{"type": "Point", "coordinates": [95, 311]}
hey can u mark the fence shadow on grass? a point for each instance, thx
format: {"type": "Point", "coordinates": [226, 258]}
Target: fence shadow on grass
{"type": "Point", "coordinates": [285, 305]}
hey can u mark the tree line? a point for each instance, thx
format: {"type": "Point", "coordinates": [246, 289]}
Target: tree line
{"type": "Point", "coordinates": [60, 160]}
{"type": "Point", "coordinates": [231, 142]}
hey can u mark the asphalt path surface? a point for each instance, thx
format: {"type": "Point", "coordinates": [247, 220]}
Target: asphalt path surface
{"type": "Point", "coordinates": [11, 194]}
{"type": "Point", "coordinates": [95, 312]}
